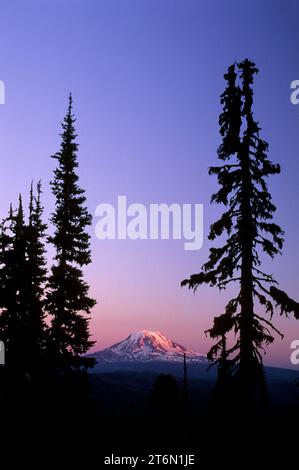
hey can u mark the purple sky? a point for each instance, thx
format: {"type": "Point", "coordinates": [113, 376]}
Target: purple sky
{"type": "Point", "coordinates": [146, 78]}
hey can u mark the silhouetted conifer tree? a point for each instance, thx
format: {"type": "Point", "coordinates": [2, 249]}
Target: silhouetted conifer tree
{"type": "Point", "coordinates": [22, 279]}
{"type": "Point", "coordinates": [13, 319]}
{"type": "Point", "coordinates": [221, 398]}
{"type": "Point", "coordinates": [250, 230]}
{"type": "Point", "coordinates": [68, 301]}
{"type": "Point", "coordinates": [36, 279]}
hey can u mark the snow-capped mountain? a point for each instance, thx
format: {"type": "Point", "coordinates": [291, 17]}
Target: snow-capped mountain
{"type": "Point", "coordinates": [145, 346]}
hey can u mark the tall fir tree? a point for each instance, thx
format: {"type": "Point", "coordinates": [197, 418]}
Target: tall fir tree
{"type": "Point", "coordinates": [22, 278]}
{"type": "Point", "coordinates": [13, 268]}
{"type": "Point", "coordinates": [13, 319]}
{"type": "Point", "coordinates": [248, 225]}
{"type": "Point", "coordinates": [68, 301]}
{"type": "Point", "coordinates": [36, 277]}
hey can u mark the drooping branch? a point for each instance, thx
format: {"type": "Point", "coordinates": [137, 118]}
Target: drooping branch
{"type": "Point", "coordinates": [286, 304]}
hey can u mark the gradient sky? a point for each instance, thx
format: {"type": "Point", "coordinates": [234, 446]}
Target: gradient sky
{"type": "Point", "coordinates": [146, 77]}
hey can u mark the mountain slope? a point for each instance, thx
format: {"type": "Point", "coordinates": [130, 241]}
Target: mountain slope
{"type": "Point", "coordinates": [144, 346]}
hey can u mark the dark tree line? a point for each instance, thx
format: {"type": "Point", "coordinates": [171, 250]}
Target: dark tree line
{"type": "Point", "coordinates": [44, 317]}
{"type": "Point", "coordinates": [22, 279]}
{"type": "Point", "coordinates": [249, 230]}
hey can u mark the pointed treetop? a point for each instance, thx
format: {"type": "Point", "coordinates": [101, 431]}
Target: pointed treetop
{"type": "Point", "coordinates": [20, 214]}
{"type": "Point", "coordinates": [31, 203]}
{"type": "Point", "coordinates": [20, 208]}
{"type": "Point", "coordinates": [39, 191]}
{"type": "Point", "coordinates": [70, 107]}
{"type": "Point", "coordinates": [69, 119]}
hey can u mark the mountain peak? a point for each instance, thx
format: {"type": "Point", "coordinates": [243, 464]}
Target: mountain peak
{"type": "Point", "coordinates": [146, 346]}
